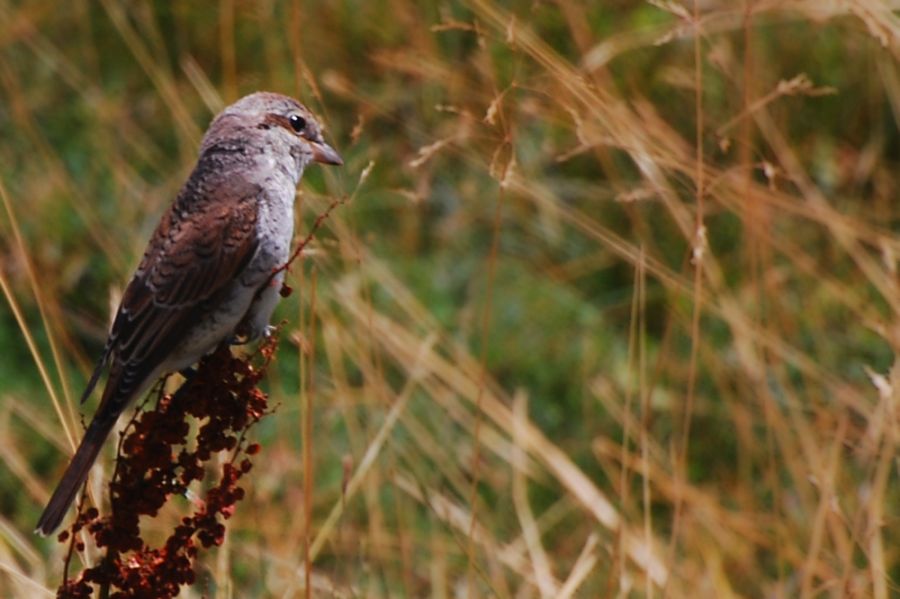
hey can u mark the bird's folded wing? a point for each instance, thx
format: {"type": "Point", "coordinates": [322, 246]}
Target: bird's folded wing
{"type": "Point", "coordinates": [199, 247]}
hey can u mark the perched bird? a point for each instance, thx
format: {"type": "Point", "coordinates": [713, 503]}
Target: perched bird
{"type": "Point", "coordinates": [206, 274]}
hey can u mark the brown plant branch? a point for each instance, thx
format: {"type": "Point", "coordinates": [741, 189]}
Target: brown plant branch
{"type": "Point", "coordinates": [156, 461]}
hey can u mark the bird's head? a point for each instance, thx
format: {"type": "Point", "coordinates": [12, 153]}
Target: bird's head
{"type": "Point", "coordinates": [278, 121]}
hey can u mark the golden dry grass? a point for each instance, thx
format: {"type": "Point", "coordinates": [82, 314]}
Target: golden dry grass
{"type": "Point", "coordinates": [580, 331]}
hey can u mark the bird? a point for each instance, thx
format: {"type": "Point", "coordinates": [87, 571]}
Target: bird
{"type": "Point", "coordinates": [211, 270]}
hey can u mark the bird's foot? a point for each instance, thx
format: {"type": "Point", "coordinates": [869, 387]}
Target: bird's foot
{"type": "Point", "coordinates": [238, 339]}
{"type": "Point", "coordinates": [244, 336]}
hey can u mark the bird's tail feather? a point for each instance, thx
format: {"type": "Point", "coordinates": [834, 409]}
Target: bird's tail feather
{"type": "Point", "coordinates": [75, 475]}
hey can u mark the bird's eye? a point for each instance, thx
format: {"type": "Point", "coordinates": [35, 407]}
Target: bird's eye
{"type": "Point", "coordinates": [298, 123]}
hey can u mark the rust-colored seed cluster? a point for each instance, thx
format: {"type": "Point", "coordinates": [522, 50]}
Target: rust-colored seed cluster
{"type": "Point", "coordinates": [156, 461]}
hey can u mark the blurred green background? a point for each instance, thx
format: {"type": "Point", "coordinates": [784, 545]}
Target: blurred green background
{"type": "Point", "coordinates": [599, 334]}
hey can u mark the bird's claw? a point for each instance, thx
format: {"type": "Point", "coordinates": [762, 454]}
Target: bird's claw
{"type": "Point", "coordinates": [238, 340]}
{"type": "Point", "coordinates": [243, 338]}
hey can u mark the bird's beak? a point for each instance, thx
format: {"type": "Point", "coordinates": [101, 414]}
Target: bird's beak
{"type": "Point", "coordinates": [325, 154]}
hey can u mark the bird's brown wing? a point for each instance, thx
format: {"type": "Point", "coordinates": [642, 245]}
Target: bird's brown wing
{"type": "Point", "coordinates": [199, 247]}
{"type": "Point", "coordinates": [191, 259]}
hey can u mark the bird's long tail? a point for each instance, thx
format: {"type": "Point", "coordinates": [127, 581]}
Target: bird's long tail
{"type": "Point", "coordinates": [76, 473]}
